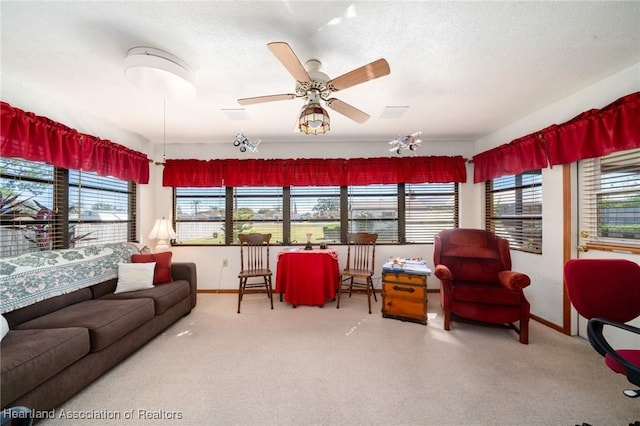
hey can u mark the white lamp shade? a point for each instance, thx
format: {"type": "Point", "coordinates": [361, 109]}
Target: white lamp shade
{"type": "Point", "coordinates": [158, 72]}
{"type": "Point", "coordinates": [162, 231]}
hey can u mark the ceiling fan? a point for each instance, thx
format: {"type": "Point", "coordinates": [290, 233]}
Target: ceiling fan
{"type": "Point", "coordinates": [314, 85]}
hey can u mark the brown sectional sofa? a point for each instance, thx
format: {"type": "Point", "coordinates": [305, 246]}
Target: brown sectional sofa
{"type": "Point", "coordinates": [58, 346]}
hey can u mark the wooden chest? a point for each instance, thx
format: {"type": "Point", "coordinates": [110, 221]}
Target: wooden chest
{"type": "Point", "coordinates": [404, 296]}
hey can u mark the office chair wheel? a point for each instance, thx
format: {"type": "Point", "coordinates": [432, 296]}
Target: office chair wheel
{"type": "Point", "coordinates": [631, 393]}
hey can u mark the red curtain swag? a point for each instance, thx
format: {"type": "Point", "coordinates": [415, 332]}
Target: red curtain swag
{"type": "Point", "coordinates": [596, 133]}
{"type": "Point", "coordinates": [36, 138]}
{"type": "Point", "coordinates": [593, 133]}
{"type": "Point", "coordinates": [526, 153]}
{"type": "Point", "coordinates": [314, 171]}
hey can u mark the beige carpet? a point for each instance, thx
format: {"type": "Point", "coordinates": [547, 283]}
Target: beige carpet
{"type": "Point", "coordinates": [311, 365]}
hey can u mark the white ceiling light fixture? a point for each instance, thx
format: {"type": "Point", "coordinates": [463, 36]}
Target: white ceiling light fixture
{"type": "Point", "coordinates": [160, 73]}
{"type": "Point", "coordinates": [314, 119]}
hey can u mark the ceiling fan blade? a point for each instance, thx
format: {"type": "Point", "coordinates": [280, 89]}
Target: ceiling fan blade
{"type": "Point", "coordinates": [347, 110]}
{"type": "Point", "coordinates": [288, 58]}
{"type": "Point", "coordinates": [269, 98]}
{"type": "Point", "coordinates": [367, 72]}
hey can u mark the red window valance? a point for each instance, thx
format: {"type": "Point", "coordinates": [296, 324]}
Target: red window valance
{"type": "Point", "coordinates": [526, 153]}
{"type": "Point", "coordinates": [596, 133]}
{"type": "Point", "coordinates": [313, 171]}
{"type": "Point", "coordinates": [36, 138]}
{"type": "Point", "coordinates": [593, 133]}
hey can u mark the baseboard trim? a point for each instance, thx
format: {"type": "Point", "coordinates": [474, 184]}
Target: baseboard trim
{"type": "Point", "coordinates": [233, 290]}
{"type": "Point", "coordinates": [548, 323]}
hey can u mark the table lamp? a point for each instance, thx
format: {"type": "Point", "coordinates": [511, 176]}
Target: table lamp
{"type": "Point", "coordinates": [162, 231]}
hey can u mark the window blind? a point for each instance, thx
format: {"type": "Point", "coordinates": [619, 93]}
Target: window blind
{"type": "Point", "coordinates": [29, 206]}
{"type": "Point", "coordinates": [200, 215]}
{"type": "Point", "coordinates": [514, 209]}
{"type": "Point", "coordinates": [429, 208]}
{"type": "Point", "coordinates": [610, 199]}
{"type": "Point", "coordinates": [100, 209]}
{"type": "Point", "coordinates": [314, 210]}
{"type": "Point", "coordinates": [374, 208]}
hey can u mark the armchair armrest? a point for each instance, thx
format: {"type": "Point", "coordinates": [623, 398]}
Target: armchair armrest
{"type": "Point", "coordinates": [443, 273]}
{"type": "Point", "coordinates": [513, 280]}
{"type": "Point", "coordinates": [595, 328]}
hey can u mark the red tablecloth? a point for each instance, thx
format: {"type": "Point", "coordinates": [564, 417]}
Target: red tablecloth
{"type": "Point", "coordinates": [307, 277]}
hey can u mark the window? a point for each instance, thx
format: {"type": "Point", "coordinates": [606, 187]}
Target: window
{"type": "Point", "coordinates": [610, 199]}
{"type": "Point", "coordinates": [200, 215]}
{"type": "Point", "coordinates": [374, 208]}
{"type": "Point", "coordinates": [514, 210]}
{"type": "Point", "coordinates": [100, 209]}
{"type": "Point", "coordinates": [314, 210]}
{"type": "Point", "coordinates": [27, 207]}
{"type": "Point", "coordinates": [429, 208]}
{"type": "Point", "coordinates": [397, 213]}
{"type": "Point", "coordinates": [45, 208]}
{"type": "Point", "coordinates": [258, 209]}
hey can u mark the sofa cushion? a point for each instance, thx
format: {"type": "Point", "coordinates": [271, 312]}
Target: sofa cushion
{"type": "Point", "coordinates": [107, 320]}
{"type": "Point", "coordinates": [164, 296]}
{"type": "Point", "coordinates": [46, 306]}
{"type": "Point", "coordinates": [162, 271]}
{"type": "Point", "coordinates": [30, 357]}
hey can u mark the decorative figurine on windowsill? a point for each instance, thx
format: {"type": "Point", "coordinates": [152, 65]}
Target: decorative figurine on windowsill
{"type": "Point", "coordinates": [308, 246]}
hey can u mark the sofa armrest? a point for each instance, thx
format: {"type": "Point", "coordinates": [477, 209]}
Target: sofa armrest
{"type": "Point", "coordinates": [513, 280]}
{"type": "Point", "coordinates": [186, 271]}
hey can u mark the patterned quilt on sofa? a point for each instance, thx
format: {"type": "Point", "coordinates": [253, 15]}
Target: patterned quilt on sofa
{"type": "Point", "coordinates": [32, 277]}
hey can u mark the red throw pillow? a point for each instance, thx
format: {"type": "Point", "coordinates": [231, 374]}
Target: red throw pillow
{"type": "Point", "coordinates": [162, 271]}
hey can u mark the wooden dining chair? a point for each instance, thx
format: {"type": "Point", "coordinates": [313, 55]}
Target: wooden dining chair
{"type": "Point", "coordinates": [357, 275]}
{"type": "Point", "coordinates": [254, 263]}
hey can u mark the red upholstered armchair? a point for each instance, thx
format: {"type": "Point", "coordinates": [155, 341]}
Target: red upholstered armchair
{"type": "Point", "coordinates": [474, 268]}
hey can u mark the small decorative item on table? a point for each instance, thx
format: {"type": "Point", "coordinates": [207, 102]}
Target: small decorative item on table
{"type": "Point", "coordinates": [404, 290]}
{"type": "Point", "coordinates": [308, 246]}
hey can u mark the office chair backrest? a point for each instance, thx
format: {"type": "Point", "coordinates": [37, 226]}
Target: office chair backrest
{"type": "Point", "coordinates": [604, 288]}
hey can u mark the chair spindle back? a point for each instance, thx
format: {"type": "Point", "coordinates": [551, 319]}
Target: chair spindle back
{"type": "Point", "coordinates": [254, 251]}
{"type": "Point", "coordinates": [361, 252]}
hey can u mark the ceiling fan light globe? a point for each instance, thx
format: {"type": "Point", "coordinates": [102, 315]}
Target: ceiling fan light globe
{"type": "Point", "coordinates": [315, 124]}
{"type": "Point", "coordinates": [313, 119]}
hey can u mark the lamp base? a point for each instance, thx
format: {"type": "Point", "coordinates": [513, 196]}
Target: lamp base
{"type": "Point", "coordinates": [162, 246]}
{"type": "Point", "coordinates": [308, 247]}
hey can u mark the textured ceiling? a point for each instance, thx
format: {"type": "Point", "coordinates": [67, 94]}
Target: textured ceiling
{"type": "Point", "coordinates": [464, 69]}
